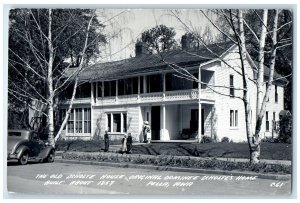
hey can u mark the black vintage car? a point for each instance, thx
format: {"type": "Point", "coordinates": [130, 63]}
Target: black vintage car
{"type": "Point", "coordinates": [25, 145]}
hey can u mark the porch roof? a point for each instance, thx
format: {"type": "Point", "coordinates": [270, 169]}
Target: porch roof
{"type": "Point", "coordinates": [147, 63]}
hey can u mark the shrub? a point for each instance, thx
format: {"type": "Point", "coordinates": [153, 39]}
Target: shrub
{"type": "Point", "coordinates": [269, 140]}
{"type": "Point", "coordinates": [172, 161]}
{"type": "Point", "coordinates": [225, 139]}
{"type": "Point", "coordinates": [206, 139]}
{"type": "Point", "coordinates": [285, 132]}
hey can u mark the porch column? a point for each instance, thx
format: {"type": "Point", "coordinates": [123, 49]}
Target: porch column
{"type": "Point", "coordinates": [121, 130]}
{"type": "Point", "coordinates": [199, 104]}
{"type": "Point", "coordinates": [92, 93]}
{"type": "Point", "coordinates": [163, 135]}
{"type": "Point", "coordinates": [111, 122]}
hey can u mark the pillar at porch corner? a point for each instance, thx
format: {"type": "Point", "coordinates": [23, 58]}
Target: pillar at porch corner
{"type": "Point", "coordinates": [164, 133]}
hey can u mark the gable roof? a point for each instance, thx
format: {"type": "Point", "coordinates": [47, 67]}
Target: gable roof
{"type": "Point", "coordinates": [147, 63]}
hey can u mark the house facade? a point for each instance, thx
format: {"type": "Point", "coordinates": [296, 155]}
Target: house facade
{"type": "Point", "coordinates": [165, 91]}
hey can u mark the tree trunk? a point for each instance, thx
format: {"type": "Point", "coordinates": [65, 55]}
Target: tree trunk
{"type": "Point", "coordinates": [50, 84]}
{"type": "Point", "coordinates": [263, 104]}
{"type": "Point", "coordinates": [254, 146]}
{"type": "Point", "coordinates": [261, 59]}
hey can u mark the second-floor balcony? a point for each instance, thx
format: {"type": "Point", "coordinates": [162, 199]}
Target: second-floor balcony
{"type": "Point", "coordinates": [158, 97]}
{"type": "Point", "coordinates": [153, 88]}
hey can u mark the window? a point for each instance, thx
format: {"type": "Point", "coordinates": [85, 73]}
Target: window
{"type": "Point", "coordinates": [78, 113]}
{"type": "Point", "coordinates": [87, 120]}
{"type": "Point", "coordinates": [267, 121]}
{"type": "Point", "coordinates": [231, 84]}
{"type": "Point", "coordinates": [124, 122]}
{"type": "Point", "coordinates": [233, 118]}
{"type": "Point", "coordinates": [109, 122]}
{"type": "Point", "coordinates": [70, 122]}
{"type": "Point", "coordinates": [79, 121]}
{"type": "Point", "coordinates": [276, 94]}
{"type": "Point", "coordinates": [236, 118]}
{"type": "Point", "coordinates": [117, 122]}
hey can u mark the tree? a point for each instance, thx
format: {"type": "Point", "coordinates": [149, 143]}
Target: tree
{"type": "Point", "coordinates": [44, 44]}
{"type": "Point", "coordinates": [159, 38]}
{"type": "Point", "coordinates": [266, 35]}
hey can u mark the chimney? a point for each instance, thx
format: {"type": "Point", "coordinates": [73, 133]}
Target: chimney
{"type": "Point", "coordinates": [140, 48]}
{"type": "Point", "coordinates": [186, 42]}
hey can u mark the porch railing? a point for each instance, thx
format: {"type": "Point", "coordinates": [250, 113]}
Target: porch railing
{"type": "Point", "coordinates": [169, 96]}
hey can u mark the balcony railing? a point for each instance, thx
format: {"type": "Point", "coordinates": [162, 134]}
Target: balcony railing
{"type": "Point", "coordinates": [169, 96]}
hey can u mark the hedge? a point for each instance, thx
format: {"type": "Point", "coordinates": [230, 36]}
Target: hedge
{"type": "Point", "coordinates": [172, 161]}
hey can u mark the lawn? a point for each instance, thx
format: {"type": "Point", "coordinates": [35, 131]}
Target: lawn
{"type": "Point", "coordinates": [274, 151]}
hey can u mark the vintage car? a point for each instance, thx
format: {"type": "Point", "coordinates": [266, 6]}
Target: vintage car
{"type": "Point", "coordinates": [25, 145]}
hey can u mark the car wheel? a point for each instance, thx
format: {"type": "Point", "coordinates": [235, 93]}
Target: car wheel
{"type": "Point", "coordinates": [24, 158]}
{"type": "Point", "coordinates": [50, 157]}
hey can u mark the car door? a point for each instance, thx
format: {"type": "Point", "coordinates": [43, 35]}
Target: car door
{"type": "Point", "coordinates": [35, 145]}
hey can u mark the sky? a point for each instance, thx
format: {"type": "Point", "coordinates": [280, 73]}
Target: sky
{"type": "Point", "coordinates": [124, 27]}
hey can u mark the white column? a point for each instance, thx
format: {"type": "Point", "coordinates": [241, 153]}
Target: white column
{"type": "Point", "coordinates": [122, 122]}
{"type": "Point", "coordinates": [163, 132]}
{"type": "Point", "coordinates": [199, 104]}
{"type": "Point", "coordinates": [92, 92]}
{"type": "Point", "coordinates": [111, 122]}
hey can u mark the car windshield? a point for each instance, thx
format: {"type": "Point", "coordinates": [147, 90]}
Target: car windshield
{"type": "Point", "coordinates": [14, 134]}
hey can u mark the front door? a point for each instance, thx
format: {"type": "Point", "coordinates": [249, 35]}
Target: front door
{"type": "Point", "coordinates": [194, 122]}
{"type": "Point", "coordinates": [155, 122]}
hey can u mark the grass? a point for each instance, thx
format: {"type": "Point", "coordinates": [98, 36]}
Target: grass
{"type": "Point", "coordinates": [171, 161]}
{"type": "Point", "coordinates": [273, 151]}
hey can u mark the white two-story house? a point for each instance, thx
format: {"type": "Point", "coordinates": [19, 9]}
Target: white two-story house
{"type": "Point", "coordinates": [119, 96]}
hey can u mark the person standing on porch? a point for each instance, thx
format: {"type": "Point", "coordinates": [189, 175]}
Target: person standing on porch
{"type": "Point", "coordinates": [147, 132]}
{"type": "Point", "coordinates": [106, 141]}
